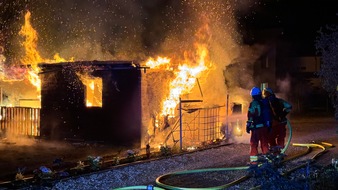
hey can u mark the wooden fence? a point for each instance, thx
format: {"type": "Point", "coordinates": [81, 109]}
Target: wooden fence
{"type": "Point", "coordinates": [20, 121]}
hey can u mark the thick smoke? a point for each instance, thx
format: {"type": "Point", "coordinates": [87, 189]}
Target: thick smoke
{"type": "Point", "coordinates": [100, 30]}
{"type": "Point", "coordinates": [124, 29]}
{"type": "Point", "coordinates": [135, 30]}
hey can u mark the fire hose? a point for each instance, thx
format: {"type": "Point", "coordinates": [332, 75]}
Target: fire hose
{"type": "Point", "coordinates": [146, 187]}
{"type": "Point", "coordinates": [243, 178]}
{"type": "Point", "coordinates": [165, 186]}
{"type": "Point", "coordinates": [309, 146]}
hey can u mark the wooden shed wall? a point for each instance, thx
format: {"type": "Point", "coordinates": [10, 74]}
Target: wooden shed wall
{"type": "Point", "coordinates": [64, 114]}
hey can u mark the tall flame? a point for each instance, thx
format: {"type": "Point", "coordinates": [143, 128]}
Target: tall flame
{"type": "Point", "coordinates": [185, 81]}
{"type": "Point", "coordinates": [32, 56]}
{"type": "Point", "coordinates": [186, 74]}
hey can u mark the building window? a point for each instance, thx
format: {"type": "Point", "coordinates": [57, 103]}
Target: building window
{"type": "Point", "coordinates": [93, 90]}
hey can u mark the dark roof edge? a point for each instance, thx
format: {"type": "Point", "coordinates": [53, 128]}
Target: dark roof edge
{"type": "Point", "coordinates": [99, 65]}
{"type": "Point", "coordinates": [95, 63]}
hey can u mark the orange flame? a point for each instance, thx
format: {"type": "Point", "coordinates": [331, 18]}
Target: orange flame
{"type": "Point", "coordinates": [185, 74]}
{"type": "Point", "coordinates": [32, 56]}
{"type": "Point", "coordinates": [185, 81]}
{"type": "Point", "coordinates": [158, 63]}
{"type": "Point", "coordinates": [93, 90]}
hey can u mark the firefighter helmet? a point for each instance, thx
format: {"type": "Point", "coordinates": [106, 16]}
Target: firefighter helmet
{"type": "Point", "coordinates": [268, 91]}
{"type": "Point", "coordinates": [255, 91]}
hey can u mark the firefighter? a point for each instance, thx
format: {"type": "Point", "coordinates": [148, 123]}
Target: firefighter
{"type": "Point", "coordinates": [279, 109]}
{"type": "Point", "coordinates": [256, 124]}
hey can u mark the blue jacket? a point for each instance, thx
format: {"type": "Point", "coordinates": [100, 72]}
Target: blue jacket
{"type": "Point", "coordinates": [266, 113]}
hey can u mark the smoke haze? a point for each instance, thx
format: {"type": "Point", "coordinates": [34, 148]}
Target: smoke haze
{"type": "Point", "coordinates": [122, 29]}
{"type": "Point", "coordinates": [136, 30]}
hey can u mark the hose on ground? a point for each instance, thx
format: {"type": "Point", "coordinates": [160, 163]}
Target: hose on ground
{"type": "Point", "coordinates": [289, 137]}
{"type": "Point", "coordinates": [309, 146]}
{"type": "Point", "coordinates": [158, 180]}
{"type": "Point", "coordinates": [165, 186]}
{"type": "Point", "coordinates": [140, 187]}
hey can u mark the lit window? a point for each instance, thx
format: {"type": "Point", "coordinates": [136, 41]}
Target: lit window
{"type": "Point", "coordinates": [93, 90]}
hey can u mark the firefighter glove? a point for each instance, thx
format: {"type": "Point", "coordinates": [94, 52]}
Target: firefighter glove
{"type": "Point", "coordinates": [248, 126]}
{"type": "Point", "coordinates": [248, 130]}
{"type": "Point", "coordinates": [284, 121]}
{"type": "Point", "coordinates": [284, 113]}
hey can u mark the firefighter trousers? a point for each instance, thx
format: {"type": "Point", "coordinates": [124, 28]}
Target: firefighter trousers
{"type": "Point", "coordinates": [277, 136]}
{"type": "Point", "coordinates": [258, 136]}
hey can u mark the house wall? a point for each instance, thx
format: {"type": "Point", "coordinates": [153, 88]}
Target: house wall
{"type": "Point", "coordinates": [308, 92]}
{"type": "Point", "coordinates": [305, 64]}
{"type": "Point", "coordinates": [62, 104]}
{"type": "Point", "coordinates": [265, 68]}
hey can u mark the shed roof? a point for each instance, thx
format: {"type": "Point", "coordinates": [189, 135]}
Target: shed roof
{"type": "Point", "coordinates": [96, 65]}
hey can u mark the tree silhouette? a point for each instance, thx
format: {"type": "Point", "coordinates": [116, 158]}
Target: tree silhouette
{"type": "Point", "coordinates": [326, 45]}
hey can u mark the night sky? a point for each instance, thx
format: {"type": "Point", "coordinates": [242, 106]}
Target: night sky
{"type": "Point", "coordinates": [300, 20]}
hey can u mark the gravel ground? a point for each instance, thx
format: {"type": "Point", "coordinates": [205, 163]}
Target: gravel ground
{"type": "Point", "coordinates": [305, 130]}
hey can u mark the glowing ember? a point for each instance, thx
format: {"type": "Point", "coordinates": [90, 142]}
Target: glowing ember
{"type": "Point", "coordinates": [191, 148]}
{"type": "Point", "coordinates": [237, 129]}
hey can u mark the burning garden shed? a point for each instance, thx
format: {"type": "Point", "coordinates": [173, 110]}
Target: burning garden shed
{"type": "Point", "coordinates": [179, 99]}
{"type": "Point", "coordinates": [91, 100]}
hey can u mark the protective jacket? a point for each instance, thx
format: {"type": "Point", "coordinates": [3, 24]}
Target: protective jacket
{"type": "Point", "coordinates": [279, 108]}
{"type": "Point", "coordinates": [256, 124]}
{"type": "Point", "coordinates": [259, 114]}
